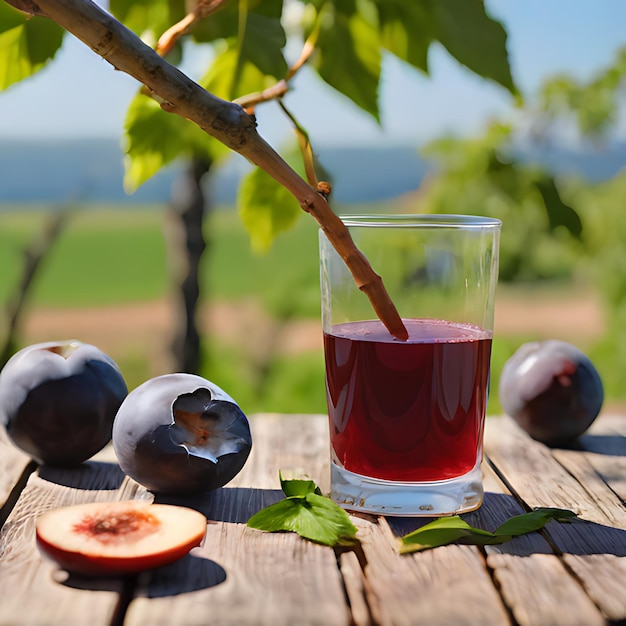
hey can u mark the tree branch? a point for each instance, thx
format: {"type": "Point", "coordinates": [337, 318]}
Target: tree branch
{"type": "Point", "coordinates": [226, 121]}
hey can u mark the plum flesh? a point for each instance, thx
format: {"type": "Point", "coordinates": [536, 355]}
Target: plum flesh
{"type": "Point", "coordinates": [552, 390]}
{"type": "Point", "coordinates": [58, 400]}
{"type": "Point", "coordinates": [181, 434]}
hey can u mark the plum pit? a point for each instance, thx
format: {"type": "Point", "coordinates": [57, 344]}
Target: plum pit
{"type": "Point", "coordinates": [109, 527]}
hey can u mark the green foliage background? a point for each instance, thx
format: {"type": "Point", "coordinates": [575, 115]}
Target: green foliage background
{"type": "Point", "coordinates": [554, 229]}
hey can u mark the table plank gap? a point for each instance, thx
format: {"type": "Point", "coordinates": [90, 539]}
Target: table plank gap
{"type": "Point", "coordinates": [353, 579]}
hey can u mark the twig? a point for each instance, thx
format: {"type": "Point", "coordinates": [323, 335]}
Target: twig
{"type": "Point", "coordinates": [33, 257]}
{"type": "Point", "coordinates": [203, 9]}
{"type": "Point", "coordinates": [226, 121]}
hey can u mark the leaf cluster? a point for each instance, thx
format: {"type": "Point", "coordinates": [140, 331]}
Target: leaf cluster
{"type": "Point", "coordinates": [343, 41]}
{"type": "Point", "coordinates": [315, 517]}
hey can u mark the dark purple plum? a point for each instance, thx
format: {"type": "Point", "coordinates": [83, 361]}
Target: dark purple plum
{"type": "Point", "coordinates": [552, 390]}
{"type": "Point", "coordinates": [181, 434]}
{"type": "Point", "coordinates": [58, 400]}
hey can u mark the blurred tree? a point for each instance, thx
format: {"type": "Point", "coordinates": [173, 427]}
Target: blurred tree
{"type": "Point", "coordinates": [344, 41]}
{"type": "Point", "coordinates": [553, 226]}
{"type": "Point", "coordinates": [490, 174]}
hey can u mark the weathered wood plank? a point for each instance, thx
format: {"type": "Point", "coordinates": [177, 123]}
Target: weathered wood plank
{"type": "Point", "coordinates": [254, 578]}
{"type": "Point", "coordinates": [539, 591]}
{"type": "Point", "coordinates": [353, 579]}
{"type": "Point", "coordinates": [13, 464]}
{"type": "Point", "coordinates": [605, 446]}
{"type": "Point", "coordinates": [449, 585]}
{"type": "Point", "coordinates": [533, 472]}
{"type": "Point", "coordinates": [534, 582]}
{"type": "Point", "coordinates": [244, 576]}
{"type": "Point", "coordinates": [57, 600]}
{"type": "Point", "coordinates": [286, 442]}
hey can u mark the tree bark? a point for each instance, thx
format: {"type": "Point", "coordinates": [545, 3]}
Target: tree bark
{"type": "Point", "coordinates": [226, 121]}
{"type": "Point", "coordinates": [186, 245]}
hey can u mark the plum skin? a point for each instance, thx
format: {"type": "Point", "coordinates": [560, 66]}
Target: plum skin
{"type": "Point", "coordinates": [552, 390]}
{"type": "Point", "coordinates": [58, 401]}
{"type": "Point", "coordinates": [165, 455]}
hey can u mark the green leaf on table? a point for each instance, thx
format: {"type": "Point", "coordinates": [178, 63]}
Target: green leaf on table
{"type": "Point", "coordinates": [441, 532]}
{"type": "Point", "coordinates": [298, 486]}
{"type": "Point", "coordinates": [26, 44]}
{"type": "Point", "coordinates": [307, 513]}
{"type": "Point", "coordinates": [447, 530]}
{"type": "Point", "coordinates": [530, 522]}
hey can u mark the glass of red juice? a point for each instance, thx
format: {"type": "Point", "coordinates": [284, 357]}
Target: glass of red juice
{"type": "Point", "coordinates": [407, 417]}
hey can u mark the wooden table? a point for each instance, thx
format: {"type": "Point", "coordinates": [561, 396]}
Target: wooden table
{"type": "Point", "coordinates": [568, 574]}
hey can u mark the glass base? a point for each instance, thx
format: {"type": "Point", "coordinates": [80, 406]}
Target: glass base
{"type": "Point", "coordinates": [384, 497]}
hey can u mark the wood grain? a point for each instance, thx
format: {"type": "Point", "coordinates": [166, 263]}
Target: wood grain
{"type": "Point", "coordinates": [32, 590]}
{"type": "Point", "coordinates": [244, 576]}
{"type": "Point", "coordinates": [568, 574]}
{"type": "Point", "coordinates": [13, 465]}
{"type": "Point", "coordinates": [593, 547]}
{"type": "Point", "coordinates": [449, 585]}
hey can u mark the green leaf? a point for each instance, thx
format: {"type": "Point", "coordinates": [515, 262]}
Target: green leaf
{"type": "Point", "coordinates": [440, 532]}
{"type": "Point", "coordinates": [298, 487]}
{"type": "Point", "coordinates": [559, 213]}
{"type": "Point", "coordinates": [256, 34]}
{"type": "Point", "coordinates": [349, 57]}
{"type": "Point", "coordinates": [227, 79]}
{"type": "Point", "coordinates": [407, 29]}
{"type": "Point", "coordinates": [264, 39]}
{"type": "Point", "coordinates": [148, 18]}
{"type": "Point", "coordinates": [453, 529]}
{"type": "Point", "coordinates": [312, 516]}
{"type": "Point", "coordinates": [474, 39]}
{"type": "Point", "coordinates": [26, 44]}
{"type": "Point", "coordinates": [530, 522]}
{"type": "Point", "coordinates": [266, 208]}
{"type": "Point", "coordinates": [155, 138]}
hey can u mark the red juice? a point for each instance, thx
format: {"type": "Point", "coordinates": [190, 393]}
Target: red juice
{"type": "Point", "coordinates": [407, 411]}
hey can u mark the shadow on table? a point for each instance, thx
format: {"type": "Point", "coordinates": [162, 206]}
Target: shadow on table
{"type": "Point", "coordinates": [578, 536]}
{"type": "Point", "coordinates": [610, 445]}
{"type": "Point", "coordinates": [89, 475]}
{"type": "Point", "coordinates": [229, 504]}
{"type": "Point", "coordinates": [191, 573]}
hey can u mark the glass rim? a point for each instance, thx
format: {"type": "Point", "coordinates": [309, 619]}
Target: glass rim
{"type": "Point", "coordinates": [431, 220]}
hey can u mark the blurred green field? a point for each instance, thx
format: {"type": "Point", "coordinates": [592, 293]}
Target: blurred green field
{"type": "Point", "coordinates": [109, 257]}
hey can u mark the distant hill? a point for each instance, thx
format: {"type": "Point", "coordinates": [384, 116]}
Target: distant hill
{"type": "Point", "coordinates": [92, 170]}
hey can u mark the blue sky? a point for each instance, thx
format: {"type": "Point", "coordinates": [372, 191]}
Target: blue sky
{"type": "Point", "coordinates": [80, 95]}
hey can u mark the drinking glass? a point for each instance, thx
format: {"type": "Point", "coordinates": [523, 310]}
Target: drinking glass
{"type": "Point", "coordinates": [407, 417]}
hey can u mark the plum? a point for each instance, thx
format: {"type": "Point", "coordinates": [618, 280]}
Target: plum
{"type": "Point", "coordinates": [58, 400]}
{"type": "Point", "coordinates": [181, 434]}
{"type": "Point", "coordinates": [552, 390]}
{"type": "Point", "coordinates": [118, 538]}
